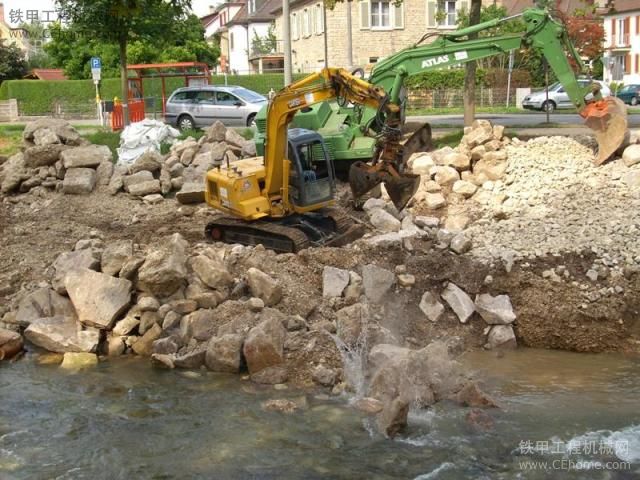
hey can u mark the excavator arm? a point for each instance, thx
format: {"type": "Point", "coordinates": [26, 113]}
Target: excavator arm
{"type": "Point", "coordinates": [329, 84]}
{"type": "Point", "coordinates": [606, 117]}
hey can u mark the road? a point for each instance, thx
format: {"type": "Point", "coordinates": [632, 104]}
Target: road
{"type": "Point", "coordinates": [512, 119]}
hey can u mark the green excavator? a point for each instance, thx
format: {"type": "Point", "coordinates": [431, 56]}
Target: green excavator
{"type": "Point", "coordinates": [350, 132]}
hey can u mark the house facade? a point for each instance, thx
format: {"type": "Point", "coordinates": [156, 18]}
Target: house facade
{"type": "Point", "coordinates": [243, 29]}
{"type": "Point", "coordinates": [622, 41]}
{"type": "Point", "coordinates": [378, 28]}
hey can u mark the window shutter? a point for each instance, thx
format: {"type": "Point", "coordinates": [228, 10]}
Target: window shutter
{"type": "Point", "coordinates": [398, 16]}
{"type": "Point", "coordinates": [431, 14]}
{"type": "Point", "coordinates": [365, 18]}
{"type": "Point", "coordinates": [613, 30]}
{"type": "Point", "coordinates": [627, 64]}
{"type": "Point", "coordinates": [626, 25]}
{"type": "Point", "coordinates": [637, 63]}
{"type": "Point", "coordinates": [314, 29]}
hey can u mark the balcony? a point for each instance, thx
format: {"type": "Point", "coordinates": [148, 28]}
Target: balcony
{"type": "Point", "coordinates": [266, 48]}
{"type": "Point", "coordinates": [621, 41]}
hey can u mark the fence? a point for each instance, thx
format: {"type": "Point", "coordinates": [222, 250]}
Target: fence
{"type": "Point", "coordinates": [8, 110]}
{"type": "Point", "coordinates": [453, 98]}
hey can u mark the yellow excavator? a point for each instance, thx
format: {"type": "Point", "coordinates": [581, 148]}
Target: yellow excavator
{"type": "Point", "coordinates": [283, 200]}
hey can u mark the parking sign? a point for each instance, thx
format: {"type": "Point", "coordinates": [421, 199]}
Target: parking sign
{"type": "Point", "coordinates": [96, 63]}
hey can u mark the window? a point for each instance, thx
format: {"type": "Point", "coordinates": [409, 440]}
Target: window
{"type": "Point", "coordinates": [306, 23]}
{"type": "Point", "coordinates": [225, 98]}
{"type": "Point", "coordinates": [205, 96]}
{"type": "Point", "coordinates": [319, 23]}
{"type": "Point", "coordinates": [443, 13]}
{"type": "Point", "coordinates": [381, 15]}
{"type": "Point", "coordinates": [621, 32]}
{"type": "Point", "coordinates": [231, 40]}
{"type": "Point", "coordinates": [184, 97]}
{"type": "Point", "coordinates": [294, 26]}
{"type": "Point", "coordinates": [252, 6]}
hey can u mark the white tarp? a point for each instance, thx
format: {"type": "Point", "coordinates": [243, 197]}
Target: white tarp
{"type": "Point", "coordinates": [142, 136]}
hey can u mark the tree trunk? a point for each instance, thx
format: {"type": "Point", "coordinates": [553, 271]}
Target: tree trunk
{"type": "Point", "coordinates": [124, 81]}
{"type": "Point", "coordinates": [469, 95]}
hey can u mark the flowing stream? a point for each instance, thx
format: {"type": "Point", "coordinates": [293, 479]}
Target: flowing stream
{"type": "Point", "coordinates": [126, 420]}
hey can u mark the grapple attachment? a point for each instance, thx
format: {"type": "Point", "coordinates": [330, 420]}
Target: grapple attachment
{"type": "Point", "coordinates": [400, 187]}
{"type": "Point", "coordinates": [608, 119]}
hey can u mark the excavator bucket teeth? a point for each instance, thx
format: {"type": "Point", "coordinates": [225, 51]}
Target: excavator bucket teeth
{"type": "Point", "coordinates": [608, 119]}
{"type": "Point", "coordinates": [362, 179]}
{"type": "Point", "coordinates": [401, 189]}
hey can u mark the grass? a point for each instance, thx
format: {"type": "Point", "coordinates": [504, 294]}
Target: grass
{"type": "Point", "coordinates": [105, 137]}
{"type": "Point", "coordinates": [10, 139]}
{"type": "Point", "coordinates": [497, 110]}
{"type": "Point", "coordinates": [450, 139]}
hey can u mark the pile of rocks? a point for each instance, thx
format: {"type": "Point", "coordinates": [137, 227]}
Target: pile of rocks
{"type": "Point", "coordinates": [56, 157]}
{"type": "Point", "coordinates": [452, 175]}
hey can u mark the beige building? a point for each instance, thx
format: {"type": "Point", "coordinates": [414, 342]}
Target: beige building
{"type": "Point", "coordinates": [379, 28]}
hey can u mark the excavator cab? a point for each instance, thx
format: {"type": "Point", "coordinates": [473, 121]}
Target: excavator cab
{"type": "Point", "coordinates": [312, 178]}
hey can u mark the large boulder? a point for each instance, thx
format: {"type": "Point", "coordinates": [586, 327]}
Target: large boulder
{"type": "Point", "coordinates": [349, 321]}
{"type": "Point", "coordinates": [115, 255]}
{"type": "Point", "coordinates": [144, 345]}
{"type": "Point", "coordinates": [264, 345]}
{"type": "Point", "coordinates": [264, 286]}
{"type": "Point", "coordinates": [45, 136]}
{"type": "Point", "coordinates": [62, 334]}
{"type": "Point", "coordinates": [43, 155]}
{"type": "Point", "coordinates": [143, 189]}
{"type": "Point", "coordinates": [495, 310]}
{"type": "Point", "coordinates": [431, 306]}
{"type": "Point", "coordinates": [136, 178]}
{"type": "Point", "coordinates": [212, 272]}
{"type": "Point", "coordinates": [70, 261]}
{"type": "Point", "coordinates": [501, 336]}
{"type": "Point", "coordinates": [191, 192]}
{"type": "Point", "coordinates": [216, 132]}
{"type": "Point", "coordinates": [377, 282]}
{"type": "Point", "coordinates": [200, 325]}
{"type": "Point", "coordinates": [334, 281]}
{"type": "Point", "coordinates": [79, 181]}
{"type": "Point", "coordinates": [224, 354]}
{"type": "Point", "coordinates": [13, 173]}
{"type": "Point", "coordinates": [151, 161]}
{"type": "Point", "coordinates": [459, 301]}
{"type": "Point", "coordinates": [99, 299]}
{"type": "Point", "coordinates": [42, 303]}
{"type": "Point", "coordinates": [10, 344]}
{"type": "Point", "coordinates": [89, 156]}
{"type": "Point", "coordinates": [631, 155]}
{"type": "Point", "coordinates": [61, 128]}
{"type": "Point", "coordinates": [384, 221]}
{"type": "Point", "coordinates": [164, 270]}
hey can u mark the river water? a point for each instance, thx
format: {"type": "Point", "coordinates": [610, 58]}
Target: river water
{"type": "Point", "coordinates": [125, 420]}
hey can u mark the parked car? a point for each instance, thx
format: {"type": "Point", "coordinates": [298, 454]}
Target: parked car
{"type": "Point", "coordinates": [192, 107]}
{"type": "Point", "coordinates": [630, 94]}
{"type": "Point", "coordinates": [558, 97]}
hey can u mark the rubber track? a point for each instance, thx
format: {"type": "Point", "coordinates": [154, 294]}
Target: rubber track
{"type": "Point", "coordinates": [262, 230]}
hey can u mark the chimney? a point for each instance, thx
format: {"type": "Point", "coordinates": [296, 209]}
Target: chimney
{"type": "Point", "coordinates": [212, 8]}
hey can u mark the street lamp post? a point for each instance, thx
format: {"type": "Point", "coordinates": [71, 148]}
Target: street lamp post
{"type": "Point", "coordinates": [286, 41]}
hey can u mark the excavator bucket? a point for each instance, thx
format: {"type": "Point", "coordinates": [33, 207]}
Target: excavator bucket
{"type": "Point", "coordinates": [419, 141]}
{"type": "Point", "coordinates": [400, 187]}
{"type": "Point", "coordinates": [608, 119]}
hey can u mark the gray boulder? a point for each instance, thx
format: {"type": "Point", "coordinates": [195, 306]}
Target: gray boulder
{"type": "Point", "coordinates": [115, 255]}
{"type": "Point", "coordinates": [212, 272]}
{"type": "Point", "coordinates": [89, 156]}
{"type": "Point", "coordinates": [191, 192]}
{"type": "Point", "coordinates": [377, 282]}
{"type": "Point", "coordinates": [224, 354]}
{"type": "Point", "coordinates": [62, 129]}
{"type": "Point", "coordinates": [334, 281]}
{"type": "Point", "coordinates": [136, 178]}
{"type": "Point", "coordinates": [631, 155]}
{"type": "Point", "coordinates": [431, 306]}
{"type": "Point", "coordinates": [43, 155]}
{"type": "Point", "coordinates": [349, 321]}
{"type": "Point", "coordinates": [264, 345]}
{"type": "Point", "coordinates": [164, 270]}
{"type": "Point", "coordinates": [62, 334]}
{"type": "Point", "coordinates": [264, 286]}
{"type": "Point", "coordinates": [144, 345]}
{"type": "Point", "coordinates": [143, 189]}
{"type": "Point", "coordinates": [459, 301]}
{"type": "Point", "coordinates": [13, 173]}
{"type": "Point", "coordinates": [70, 261]}
{"type": "Point", "coordinates": [150, 161]}
{"type": "Point", "coordinates": [42, 303]}
{"type": "Point", "coordinates": [45, 136]}
{"type": "Point", "coordinates": [99, 299]}
{"type": "Point", "coordinates": [200, 325]}
{"type": "Point", "coordinates": [501, 336]}
{"type": "Point", "coordinates": [495, 310]}
{"type": "Point", "coordinates": [11, 344]}
{"type": "Point", "coordinates": [79, 181]}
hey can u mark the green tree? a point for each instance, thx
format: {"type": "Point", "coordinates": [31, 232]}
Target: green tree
{"type": "Point", "coordinates": [266, 44]}
{"type": "Point", "coordinates": [123, 21]}
{"type": "Point", "coordinates": [12, 62]}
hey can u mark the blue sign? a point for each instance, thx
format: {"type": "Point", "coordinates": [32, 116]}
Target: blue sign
{"type": "Point", "coordinates": [96, 62]}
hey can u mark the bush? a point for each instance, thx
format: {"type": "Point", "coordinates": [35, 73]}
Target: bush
{"type": "Point", "coordinates": [38, 97]}
{"type": "Point", "coordinates": [442, 79]}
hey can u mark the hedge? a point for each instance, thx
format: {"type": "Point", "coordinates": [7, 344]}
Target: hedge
{"type": "Point", "coordinates": [37, 97]}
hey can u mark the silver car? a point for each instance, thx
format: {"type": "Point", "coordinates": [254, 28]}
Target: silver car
{"type": "Point", "coordinates": [558, 97]}
{"type": "Point", "coordinates": [194, 107]}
